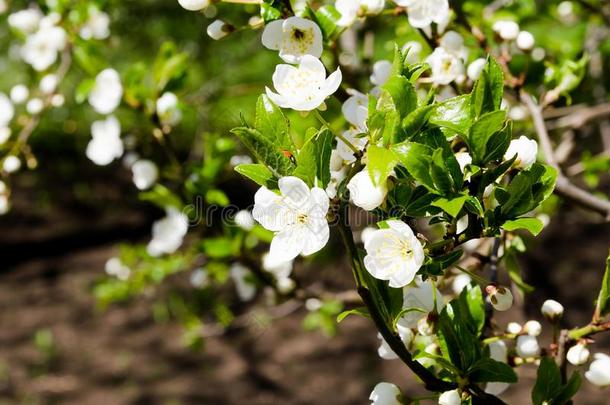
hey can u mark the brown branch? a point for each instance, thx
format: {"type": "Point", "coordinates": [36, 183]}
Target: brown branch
{"type": "Point", "coordinates": [564, 187]}
{"type": "Point", "coordinates": [581, 117]}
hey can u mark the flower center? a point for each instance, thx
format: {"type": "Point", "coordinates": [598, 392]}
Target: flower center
{"type": "Point", "coordinates": [298, 34]}
{"type": "Point", "coordinates": [301, 218]}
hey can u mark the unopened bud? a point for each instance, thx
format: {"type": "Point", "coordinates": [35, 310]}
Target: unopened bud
{"type": "Point", "coordinates": [219, 29]}
{"type": "Point", "coordinates": [532, 328]}
{"type": "Point", "coordinates": [552, 310]}
{"type": "Point", "coordinates": [527, 346]}
{"type": "Point", "coordinates": [500, 297]}
{"type": "Point", "coordinates": [578, 354]}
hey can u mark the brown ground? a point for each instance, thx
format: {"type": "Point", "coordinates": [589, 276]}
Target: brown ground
{"type": "Point", "coordinates": [122, 356]}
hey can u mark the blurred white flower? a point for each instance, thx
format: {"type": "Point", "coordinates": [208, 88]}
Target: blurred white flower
{"type": "Point", "coordinates": [199, 278]}
{"type": "Point", "coordinates": [194, 5]}
{"type": "Point", "coordinates": [525, 41]}
{"type": "Point", "coordinates": [365, 194]}
{"type": "Point", "coordinates": [168, 110]}
{"type": "Point", "coordinates": [96, 27]}
{"type": "Point", "coordinates": [237, 160]}
{"type": "Point", "coordinates": [599, 370]}
{"type": "Point", "coordinates": [244, 220]}
{"type": "Point", "coordinates": [7, 111]}
{"type": "Point", "coordinates": [297, 216]}
{"type": "Point", "coordinates": [578, 354]}
{"type": "Point", "coordinates": [5, 134]}
{"type": "Point", "coordinates": [115, 267]}
{"type": "Point", "coordinates": [219, 29]}
{"type": "Point", "coordinates": [527, 346]}
{"type": "Point", "coordinates": [445, 67]}
{"type": "Point", "coordinates": [243, 279]}
{"type": "Point", "coordinates": [552, 310]}
{"type": "Point", "coordinates": [41, 48]}
{"type": "Point", "coordinates": [351, 10]}
{"type": "Point", "coordinates": [305, 87]}
{"type": "Point", "coordinates": [34, 106]}
{"type": "Point", "coordinates": [356, 109]}
{"type": "Point", "coordinates": [381, 72]}
{"type": "Point", "coordinates": [507, 30]}
{"type": "Point", "coordinates": [106, 144]}
{"type": "Point", "coordinates": [19, 94]}
{"type": "Point", "coordinates": [453, 43]}
{"type": "Point", "coordinates": [475, 69]}
{"type": "Point", "coordinates": [145, 174]}
{"type": "Point", "coordinates": [58, 100]}
{"type": "Point", "coordinates": [414, 50]}
{"type": "Point", "coordinates": [26, 20]}
{"type": "Point", "coordinates": [525, 149]}
{"type": "Point", "coordinates": [11, 164]}
{"type": "Point", "coordinates": [394, 254]}
{"type": "Point", "coordinates": [450, 398]}
{"type": "Point", "coordinates": [422, 13]}
{"type": "Point", "coordinates": [460, 282]}
{"type": "Point", "coordinates": [293, 37]}
{"type": "Point", "coordinates": [107, 92]}
{"type": "Point", "coordinates": [48, 84]}
{"type": "Point", "coordinates": [168, 233]}
{"type": "Point", "coordinates": [385, 394]}
{"type": "Point", "coordinates": [279, 268]}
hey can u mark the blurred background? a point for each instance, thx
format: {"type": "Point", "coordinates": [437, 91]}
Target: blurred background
{"type": "Point", "coordinates": [69, 335]}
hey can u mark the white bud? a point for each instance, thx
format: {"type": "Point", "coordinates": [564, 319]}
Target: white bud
{"type": "Point", "coordinates": [5, 134]}
{"type": "Point", "coordinates": [244, 220]}
{"type": "Point", "coordinates": [199, 278]}
{"type": "Point", "coordinates": [552, 310]}
{"type": "Point", "coordinates": [507, 30]}
{"type": "Point", "coordinates": [578, 354]}
{"type": "Point", "coordinates": [219, 29]}
{"type": "Point", "coordinates": [527, 346]}
{"type": "Point", "coordinates": [532, 328]}
{"type": "Point", "coordinates": [500, 297]}
{"type": "Point", "coordinates": [450, 398]}
{"type": "Point", "coordinates": [475, 68]}
{"type": "Point", "coordinates": [513, 328]}
{"type": "Point", "coordinates": [11, 164]}
{"type": "Point", "coordinates": [34, 106]}
{"type": "Point", "coordinates": [19, 94]}
{"type": "Point", "coordinates": [48, 83]}
{"type": "Point", "coordinates": [385, 394]}
{"type": "Point", "coordinates": [525, 41]}
{"type": "Point", "coordinates": [58, 100]}
{"type": "Point", "coordinates": [364, 193]}
{"type": "Point", "coordinates": [525, 149]}
{"type": "Point", "coordinates": [498, 351]}
{"type": "Point", "coordinates": [459, 283]}
{"type": "Point", "coordinates": [194, 5]}
{"type": "Point", "coordinates": [313, 304]}
{"type": "Point", "coordinates": [599, 370]}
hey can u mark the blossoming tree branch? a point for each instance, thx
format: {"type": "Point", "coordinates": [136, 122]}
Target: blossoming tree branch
{"type": "Point", "coordinates": [438, 145]}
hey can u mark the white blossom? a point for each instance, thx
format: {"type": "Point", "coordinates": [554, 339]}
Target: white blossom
{"type": "Point", "coordinates": [344, 151]}
{"type": "Point", "coordinates": [194, 5]}
{"type": "Point", "coordinates": [475, 69]}
{"type": "Point", "coordinates": [115, 267]}
{"type": "Point", "coordinates": [463, 159]}
{"type": "Point", "coordinates": [498, 351]}
{"type": "Point", "coordinates": [365, 194]}
{"type": "Point", "coordinates": [599, 370]}
{"type": "Point", "coordinates": [34, 106]}
{"type": "Point", "coordinates": [293, 37]}
{"type": "Point", "coordinates": [297, 216]}
{"type": "Point", "coordinates": [413, 49]}
{"type": "Point", "coordinates": [527, 346]}
{"type": "Point", "coordinates": [305, 87]}
{"type": "Point", "coordinates": [279, 268]}
{"type": "Point", "coordinates": [243, 279]}
{"type": "Point", "coordinates": [552, 310]}
{"type": "Point", "coordinates": [107, 92]}
{"type": "Point", "coordinates": [578, 354]}
{"type": "Point", "coordinates": [422, 13]}
{"type": "Point", "coordinates": [394, 254]}
{"type": "Point", "coordinates": [419, 300]}
{"type": "Point", "coordinates": [41, 48]}
{"type": "Point", "coordinates": [532, 328]}
{"type": "Point", "coordinates": [145, 174]}
{"type": "Point", "coordinates": [450, 398]}
{"type": "Point", "coordinates": [105, 144]}
{"type": "Point", "coordinates": [48, 84]}
{"type": "Point", "coordinates": [453, 43]}
{"type": "Point", "coordinates": [381, 72]}
{"type": "Point", "coordinates": [7, 111]}
{"type": "Point", "coordinates": [500, 297]}
{"type": "Point", "coordinates": [26, 20]}
{"type": "Point", "coordinates": [525, 41]}
{"type": "Point", "coordinates": [219, 29]}
{"type": "Point", "coordinates": [406, 335]}
{"type": "Point", "coordinates": [525, 149]}
{"type": "Point", "coordinates": [168, 233]}
{"type": "Point", "coordinates": [19, 93]}
{"type": "Point", "coordinates": [385, 394]}
{"type": "Point", "coordinates": [460, 282]}
{"type": "Point", "coordinates": [244, 220]}
{"type": "Point", "coordinates": [445, 66]}
{"type": "Point", "coordinates": [356, 109]}
{"type": "Point", "coordinates": [351, 10]}
{"type": "Point", "coordinates": [167, 109]}
{"type": "Point", "coordinates": [366, 233]}
{"type": "Point", "coordinates": [11, 164]}
{"type": "Point", "coordinates": [97, 26]}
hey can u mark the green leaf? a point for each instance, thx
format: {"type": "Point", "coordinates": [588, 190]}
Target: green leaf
{"type": "Point", "coordinates": [416, 120]}
{"type": "Point", "coordinates": [265, 151]}
{"type": "Point", "coordinates": [313, 160]}
{"type": "Point", "coordinates": [487, 92]}
{"type": "Point", "coordinates": [381, 162]}
{"type": "Point", "coordinates": [490, 370]}
{"type": "Point", "coordinates": [362, 311]}
{"type": "Point", "coordinates": [269, 13]}
{"type": "Point", "coordinates": [403, 94]}
{"type": "Point", "coordinates": [528, 189]}
{"type": "Point", "coordinates": [436, 265]}
{"type": "Point", "coordinates": [548, 381]}
{"type": "Point", "coordinates": [482, 132]}
{"type": "Point", "coordinates": [327, 17]}
{"type": "Point", "coordinates": [416, 158]}
{"type": "Point", "coordinates": [451, 206]}
{"type": "Point", "coordinates": [406, 201]}
{"type": "Point", "coordinates": [569, 390]}
{"type": "Point", "coordinates": [453, 114]}
{"type": "Point", "coordinates": [533, 225]}
{"type": "Point", "coordinates": [170, 66]}
{"type": "Point", "coordinates": [217, 197]}
{"type": "Point", "coordinates": [258, 173]}
{"type": "Point", "coordinates": [217, 248]}
{"type": "Point", "coordinates": [162, 197]}
{"type": "Point", "coordinates": [272, 124]}
{"type": "Point", "coordinates": [603, 300]}
{"type": "Point", "coordinates": [473, 307]}
{"type": "Point", "coordinates": [456, 339]}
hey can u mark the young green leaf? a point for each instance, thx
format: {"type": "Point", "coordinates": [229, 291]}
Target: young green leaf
{"type": "Point", "coordinates": [532, 225]}
{"type": "Point", "coordinates": [451, 206]}
{"type": "Point", "coordinates": [258, 173]}
{"type": "Point", "coordinates": [265, 151]}
{"type": "Point", "coordinates": [381, 163]}
{"type": "Point", "coordinates": [482, 131]}
{"type": "Point", "coordinates": [272, 124]}
{"type": "Point", "coordinates": [490, 370]}
{"type": "Point", "coordinates": [603, 300]}
{"type": "Point", "coordinates": [548, 382]}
